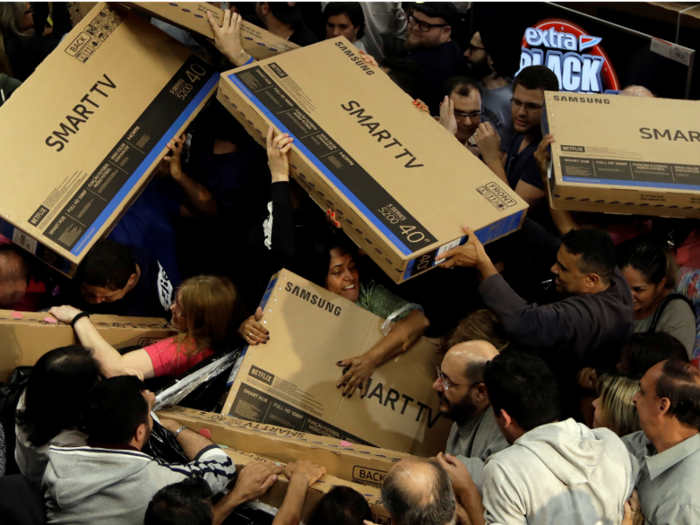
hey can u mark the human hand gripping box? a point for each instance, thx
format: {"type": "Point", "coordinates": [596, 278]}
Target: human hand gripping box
{"type": "Point", "coordinates": [85, 132]}
{"type": "Point", "coordinates": [349, 461]}
{"type": "Point", "coordinates": [291, 381]}
{"type": "Point", "coordinates": [26, 336]}
{"type": "Point", "coordinates": [626, 155]}
{"type": "Point", "coordinates": [401, 185]}
{"type": "Point", "coordinates": [192, 16]}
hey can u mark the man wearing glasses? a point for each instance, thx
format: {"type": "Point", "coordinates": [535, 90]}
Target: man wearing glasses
{"type": "Point", "coordinates": [493, 59]}
{"type": "Point", "coordinates": [429, 44]}
{"type": "Point", "coordinates": [460, 110]}
{"type": "Point", "coordinates": [464, 399]}
{"type": "Point", "coordinates": [520, 170]}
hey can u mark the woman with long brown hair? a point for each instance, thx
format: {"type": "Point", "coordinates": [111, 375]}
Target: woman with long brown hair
{"type": "Point", "coordinates": [205, 312]}
{"type": "Point", "coordinates": [21, 49]}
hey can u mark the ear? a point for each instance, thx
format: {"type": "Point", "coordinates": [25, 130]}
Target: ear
{"type": "Point", "coordinates": [140, 434]}
{"type": "Point", "coordinates": [506, 418]}
{"type": "Point", "coordinates": [664, 406]}
{"type": "Point", "coordinates": [131, 280]}
{"type": "Point", "coordinates": [481, 392]}
{"type": "Point", "coordinates": [662, 284]}
{"type": "Point", "coordinates": [592, 279]}
{"type": "Point", "coordinates": [264, 8]}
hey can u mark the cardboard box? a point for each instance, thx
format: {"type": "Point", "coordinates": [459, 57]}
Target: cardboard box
{"type": "Point", "coordinates": [84, 134]}
{"type": "Point", "coordinates": [401, 185]}
{"type": "Point", "coordinates": [351, 462]}
{"type": "Point", "coordinates": [624, 155]}
{"type": "Point", "coordinates": [291, 380]}
{"type": "Point", "coordinates": [257, 42]}
{"type": "Point", "coordinates": [26, 336]}
{"type": "Point", "coordinates": [79, 10]}
{"type": "Point", "coordinates": [275, 496]}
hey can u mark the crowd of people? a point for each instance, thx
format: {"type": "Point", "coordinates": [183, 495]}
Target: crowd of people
{"type": "Point", "coordinates": [568, 346]}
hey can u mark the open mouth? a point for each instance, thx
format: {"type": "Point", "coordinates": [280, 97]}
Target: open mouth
{"type": "Point", "coordinates": [350, 287]}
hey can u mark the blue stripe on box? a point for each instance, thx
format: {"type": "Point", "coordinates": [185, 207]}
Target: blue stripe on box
{"type": "Point", "coordinates": [319, 166]}
{"type": "Point", "coordinates": [150, 158]}
{"type": "Point", "coordinates": [636, 183]}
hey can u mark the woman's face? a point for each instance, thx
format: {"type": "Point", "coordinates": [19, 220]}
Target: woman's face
{"type": "Point", "coordinates": [643, 292]}
{"type": "Point", "coordinates": [598, 416]}
{"type": "Point", "coordinates": [28, 18]}
{"type": "Point", "coordinates": [179, 320]}
{"type": "Point", "coordinates": [343, 278]}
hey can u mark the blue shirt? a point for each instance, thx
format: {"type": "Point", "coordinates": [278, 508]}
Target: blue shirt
{"type": "Point", "coordinates": [522, 166]}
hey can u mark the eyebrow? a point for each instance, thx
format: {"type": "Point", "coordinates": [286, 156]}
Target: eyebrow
{"type": "Point", "coordinates": [446, 376]}
{"type": "Point", "coordinates": [336, 266]}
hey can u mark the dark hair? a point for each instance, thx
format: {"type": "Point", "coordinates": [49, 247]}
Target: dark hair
{"type": "Point", "coordinates": [340, 506]}
{"type": "Point", "coordinates": [404, 73]}
{"type": "Point", "coordinates": [653, 261]}
{"type": "Point", "coordinates": [523, 385]}
{"type": "Point", "coordinates": [185, 503]}
{"type": "Point", "coordinates": [680, 383]}
{"type": "Point", "coordinates": [445, 10]}
{"type": "Point", "coordinates": [10, 271]}
{"type": "Point", "coordinates": [353, 10]}
{"type": "Point", "coordinates": [482, 325]}
{"type": "Point", "coordinates": [537, 77]}
{"type": "Point", "coordinates": [642, 351]}
{"type": "Point", "coordinates": [55, 392]}
{"type": "Point", "coordinates": [461, 86]}
{"type": "Point", "coordinates": [114, 410]}
{"type": "Point", "coordinates": [597, 251]}
{"type": "Point", "coordinates": [109, 265]}
{"type": "Point", "coordinates": [433, 505]}
{"type": "Point", "coordinates": [319, 259]}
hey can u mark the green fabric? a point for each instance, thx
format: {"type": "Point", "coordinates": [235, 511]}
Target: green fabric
{"type": "Point", "coordinates": [380, 301]}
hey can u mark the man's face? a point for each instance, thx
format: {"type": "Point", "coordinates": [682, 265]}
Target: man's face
{"type": "Point", "coordinates": [466, 125]}
{"type": "Point", "coordinates": [647, 402]}
{"type": "Point", "coordinates": [434, 36]}
{"type": "Point", "coordinates": [341, 25]}
{"type": "Point", "coordinates": [570, 280]}
{"type": "Point", "coordinates": [526, 109]}
{"type": "Point", "coordinates": [98, 295]}
{"type": "Point", "coordinates": [477, 59]}
{"type": "Point", "coordinates": [11, 293]}
{"type": "Point", "coordinates": [456, 401]}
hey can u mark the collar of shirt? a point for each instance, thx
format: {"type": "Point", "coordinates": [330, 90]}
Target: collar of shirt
{"type": "Point", "coordinates": [657, 464]}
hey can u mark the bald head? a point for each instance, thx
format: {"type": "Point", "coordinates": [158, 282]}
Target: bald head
{"type": "Point", "coordinates": [636, 91]}
{"type": "Point", "coordinates": [418, 492]}
{"type": "Point", "coordinates": [470, 357]}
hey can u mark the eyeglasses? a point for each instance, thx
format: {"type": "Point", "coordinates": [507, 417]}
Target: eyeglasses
{"type": "Point", "coordinates": [423, 26]}
{"type": "Point", "coordinates": [472, 47]}
{"type": "Point", "coordinates": [462, 114]}
{"type": "Point", "coordinates": [529, 106]}
{"type": "Point", "coordinates": [29, 11]}
{"type": "Point", "coordinates": [446, 382]}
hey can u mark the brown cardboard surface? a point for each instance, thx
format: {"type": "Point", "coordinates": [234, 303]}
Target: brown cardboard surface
{"type": "Point", "coordinates": [291, 380]}
{"type": "Point", "coordinates": [79, 10]}
{"type": "Point", "coordinates": [351, 462]}
{"type": "Point", "coordinates": [275, 496]}
{"type": "Point", "coordinates": [257, 42]}
{"type": "Point", "coordinates": [401, 185]}
{"type": "Point", "coordinates": [24, 340]}
{"type": "Point", "coordinates": [624, 155]}
{"type": "Point", "coordinates": [114, 92]}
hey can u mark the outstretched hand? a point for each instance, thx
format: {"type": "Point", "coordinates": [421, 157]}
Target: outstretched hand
{"type": "Point", "coordinates": [278, 154]}
{"type": "Point", "coordinates": [227, 38]}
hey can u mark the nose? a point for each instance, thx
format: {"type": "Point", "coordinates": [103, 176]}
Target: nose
{"type": "Point", "coordinates": [336, 32]}
{"type": "Point", "coordinates": [596, 402]}
{"type": "Point", "coordinates": [438, 386]}
{"type": "Point", "coordinates": [555, 269]}
{"type": "Point", "coordinates": [99, 300]}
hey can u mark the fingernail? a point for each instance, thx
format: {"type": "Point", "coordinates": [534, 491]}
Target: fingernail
{"type": "Point", "coordinates": [328, 212]}
{"type": "Point", "coordinates": [338, 385]}
{"type": "Point", "coordinates": [333, 214]}
{"type": "Point", "coordinates": [343, 394]}
{"type": "Point", "coordinates": [268, 337]}
{"type": "Point", "coordinates": [339, 362]}
{"type": "Point", "coordinates": [337, 224]}
{"type": "Point", "coordinates": [264, 342]}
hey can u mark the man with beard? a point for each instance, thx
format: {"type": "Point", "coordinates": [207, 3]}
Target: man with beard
{"type": "Point", "coordinates": [460, 110]}
{"type": "Point", "coordinates": [429, 44]}
{"type": "Point", "coordinates": [493, 58]}
{"type": "Point", "coordinates": [520, 170]}
{"type": "Point", "coordinates": [464, 399]}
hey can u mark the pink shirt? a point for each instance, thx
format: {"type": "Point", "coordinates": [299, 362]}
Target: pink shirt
{"type": "Point", "coordinates": [170, 360]}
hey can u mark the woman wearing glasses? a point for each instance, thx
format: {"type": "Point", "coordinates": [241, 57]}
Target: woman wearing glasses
{"type": "Point", "coordinates": [204, 311]}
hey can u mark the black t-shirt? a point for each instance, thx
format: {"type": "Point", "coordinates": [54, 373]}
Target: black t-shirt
{"type": "Point", "coordinates": [303, 36]}
{"type": "Point", "coordinates": [437, 64]}
{"type": "Point", "coordinates": [523, 166]}
{"type": "Point", "coordinates": [151, 297]}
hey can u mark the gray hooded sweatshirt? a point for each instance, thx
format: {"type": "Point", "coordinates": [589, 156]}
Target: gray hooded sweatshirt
{"type": "Point", "coordinates": [559, 473]}
{"type": "Point", "coordinates": [85, 485]}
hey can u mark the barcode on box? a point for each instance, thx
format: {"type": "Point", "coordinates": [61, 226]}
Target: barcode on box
{"type": "Point", "coordinates": [25, 241]}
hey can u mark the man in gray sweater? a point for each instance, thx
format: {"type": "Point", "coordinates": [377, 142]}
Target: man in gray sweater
{"type": "Point", "coordinates": [464, 399]}
{"type": "Point", "coordinates": [111, 481]}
